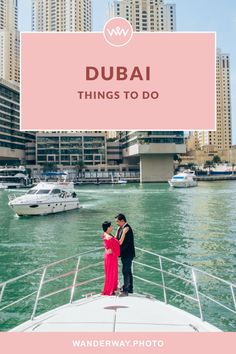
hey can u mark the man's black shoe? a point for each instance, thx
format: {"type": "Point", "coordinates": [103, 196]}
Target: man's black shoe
{"type": "Point", "coordinates": [124, 293]}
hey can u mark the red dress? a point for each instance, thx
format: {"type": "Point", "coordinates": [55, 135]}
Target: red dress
{"type": "Point", "coordinates": [111, 265]}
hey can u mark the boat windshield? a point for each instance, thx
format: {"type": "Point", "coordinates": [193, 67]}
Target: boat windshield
{"type": "Point", "coordinates": [43, 191]}
{"type": "Point", "coordinates": [56, 191]}
{"type": "Point", "coordinates": [178, 177]}
{"type": "Point", "coordinates": [32, 191]}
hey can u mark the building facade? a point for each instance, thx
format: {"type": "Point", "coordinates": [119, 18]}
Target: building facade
{"type": "Point", "coordinates": [84, 154]}
{"type": "Point", "coordinates": [71, 149]}
{"type": "Point", "coordinates": [114, 153]}
{"type": "Point", "coordinates": [9, 15]}
{"type": "Point", "coordinates": [154, 151]}
{"type": "Point", "coordinates": [62, 15]}
{"type": "Point", "coordinates": [12, 140]}
{"type": "Point", "coordinates": [9, 41]}
{"type": "Point", "coordinates": [221, 139]}
{"type": "Point", "coordinates": [146, 15]}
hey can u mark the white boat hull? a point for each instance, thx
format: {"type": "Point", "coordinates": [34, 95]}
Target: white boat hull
{"type": "Point", "coordinates": [46, 198]}
{"type": "Point", "coordinates": [44, 208]}
{"type": "Point", "coordinates": [134, 313]}
{"type": "Point", "coordinates": [183, 184]}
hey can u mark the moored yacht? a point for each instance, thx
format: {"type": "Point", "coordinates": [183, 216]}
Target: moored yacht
{"type": "Point", "coordinates": [221, 169]}
{"type": "Point", "coordinates": [14, 177]}
{"type": "Point", "coordinates": [122, 181]}
{"type": "Point", "coordinates": [46, 198]}
{"type": "Point", "coordinates": [183, 180]}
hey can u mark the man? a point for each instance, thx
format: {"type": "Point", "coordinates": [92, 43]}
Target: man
{"type": "Point", "coordinates": [127, 252]}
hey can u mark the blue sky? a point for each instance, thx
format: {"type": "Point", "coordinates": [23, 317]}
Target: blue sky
{"type": "Point", "coordinates": [192, 15]}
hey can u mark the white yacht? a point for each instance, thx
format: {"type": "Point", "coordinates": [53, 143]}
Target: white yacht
{"type": "Point", "coordinates": [222, 169]}
{"type": "Point", "coordinates": [169, 308]}
{"type": "Point", "coordinates": [122, 181]}
{"type": "Point", "coordinates": [183, 180]}
{"type": "Point", "coordinates": [15, 177]}
{"type": "Point", "coordinates": [46, 198]}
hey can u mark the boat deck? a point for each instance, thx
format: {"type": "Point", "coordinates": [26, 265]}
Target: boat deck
{"type": "Point", "coordinates": [134, 313]}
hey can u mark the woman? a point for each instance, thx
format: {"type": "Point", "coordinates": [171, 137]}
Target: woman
{"type": "Point", "coordinates": [112, 252]}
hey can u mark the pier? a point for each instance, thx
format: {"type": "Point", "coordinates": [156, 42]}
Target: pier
{"type": "Point", "coordinates": [216, 178]}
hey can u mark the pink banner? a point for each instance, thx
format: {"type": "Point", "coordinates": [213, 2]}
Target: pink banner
{"type": "Point", "coordinates": [163, 343]}
{"type": "Point", "coordinates": [155, 81]}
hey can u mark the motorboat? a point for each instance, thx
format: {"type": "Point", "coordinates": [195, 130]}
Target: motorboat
{"type": "Point", "coordinates": [15, 177]}
{"type": "Point", "coordinates": [183, 180]}
{"type": "Point", "coordinates": [221, 169]}
{"type": "Point", "coordinates": [165, 308]}
{"type": "Point", "coordinates": [122, 181]}
{"type": "Point", "coordinates": [46, 198]}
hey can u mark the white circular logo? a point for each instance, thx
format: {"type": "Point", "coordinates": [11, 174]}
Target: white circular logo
{"type": "Point", "coordinates": [118, 32]}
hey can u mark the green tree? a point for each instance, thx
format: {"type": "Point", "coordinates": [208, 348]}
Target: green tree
{"type": "Point", "coordinates": [208, 163]}
{"type": "Point", "coordinates": [233, 165]}
{"type": "Point", "coordinates": [216, 159]}
{"type": "Point", "coordinates": [49, 167]}
{"type": "Point", "coordinates": [176, 157]}
{"type": "Point", "coordinates": [191, 166]}
{"type": "Point", "coordinates": [79, 167]}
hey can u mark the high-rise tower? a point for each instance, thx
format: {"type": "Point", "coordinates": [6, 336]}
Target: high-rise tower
{"type": "Point", "coordinates": [221, 139]}
{"type": "Point", "coordinates": [62, 15]}
{"type": "Point", "coordinates": [9, 41]}
{"type": "Point", "coordinates": [146, 15]}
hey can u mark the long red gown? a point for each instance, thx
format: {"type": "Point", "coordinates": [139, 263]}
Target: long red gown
{"type": "Point", "coordinates": [111, 265]}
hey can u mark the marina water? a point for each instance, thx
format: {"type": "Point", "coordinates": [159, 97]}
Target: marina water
{"type": "Point", "coordinates": [196, 226]}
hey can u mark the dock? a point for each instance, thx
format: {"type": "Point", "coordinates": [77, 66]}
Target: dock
{"type": "Point", "coordinates": [216, 178]}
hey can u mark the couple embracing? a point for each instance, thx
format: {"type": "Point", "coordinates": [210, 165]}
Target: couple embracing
{"type": "Point", "coordinates": [120, 245]}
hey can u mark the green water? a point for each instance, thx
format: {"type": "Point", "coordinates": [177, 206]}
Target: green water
{"type": "Point", "coordinates": [196, 226]}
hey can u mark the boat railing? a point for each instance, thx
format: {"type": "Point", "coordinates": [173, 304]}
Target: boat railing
{"type": "Point", "coordinates": [160, 265]}
{"type": "Point", "coordinates": [43, 281]}
{"type": "Point", "coordinates": [194, 274]}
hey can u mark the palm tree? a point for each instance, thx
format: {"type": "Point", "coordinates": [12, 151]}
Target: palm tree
{"type": "Point", "coordinates": [49, 166]}
{"type": "Point", "coordinates": [216, 159]}
{"type": "Point", "coordinates": [79, 168]}
{"type": "Point", "coordinates": [233, 164]}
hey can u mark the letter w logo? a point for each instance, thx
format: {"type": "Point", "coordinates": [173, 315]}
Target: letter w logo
{"type": "Point", "coordinates": [118, 32]}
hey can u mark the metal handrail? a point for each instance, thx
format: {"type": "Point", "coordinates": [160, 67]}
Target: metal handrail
{"type": "Point", "coordinates": [186, 266]}
{"type": "Point", "coordinates": [167, 288]}
{"type": "Point", "coordinates": [44, 269]}
{"type": "Point", "coordinates": [50, 265]}
{"type": "Point", "coordinates": [194, 282]}
{"type": "Point", "coordinates": [164, 271]}
{"type": "Point", "coordinates": [217, 302]}
{"type": "Point", "coordinates": [18, 301]}
{"type": "Point", "coordinates": [77, 282]}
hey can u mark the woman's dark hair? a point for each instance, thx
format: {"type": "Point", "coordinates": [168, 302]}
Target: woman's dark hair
{"type": "Point", "coordinates": [120, 217]}
{"type": "Point", "coordinates": [105, 225]}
